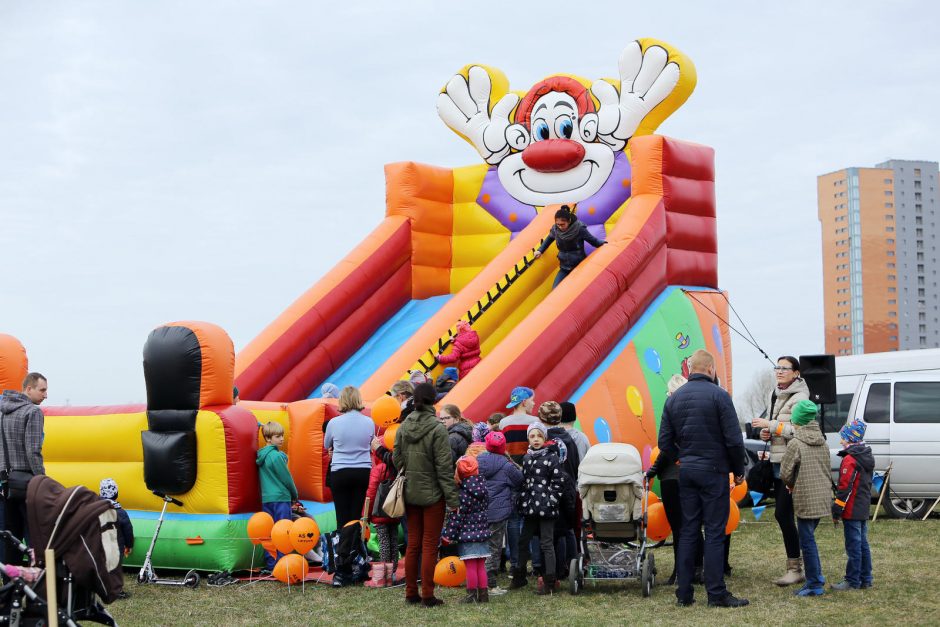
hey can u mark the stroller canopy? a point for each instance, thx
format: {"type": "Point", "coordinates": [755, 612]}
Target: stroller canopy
{"type": "Point", "coordinates": [611, 463]}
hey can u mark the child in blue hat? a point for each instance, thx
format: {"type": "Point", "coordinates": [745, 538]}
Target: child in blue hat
{"type": "Point", "coordinates": [852, 502]}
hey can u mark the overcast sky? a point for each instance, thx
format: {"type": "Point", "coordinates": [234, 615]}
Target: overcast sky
{"type": "Point", "coordinates": [207, 160]}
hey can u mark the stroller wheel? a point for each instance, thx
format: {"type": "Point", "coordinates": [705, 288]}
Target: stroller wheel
{"type": "Point", "coordinates": [191, 580]}
{"type": "Point", "coordinates": [648, 574]}
{"type": "Point", "coordinates": [575, 583]}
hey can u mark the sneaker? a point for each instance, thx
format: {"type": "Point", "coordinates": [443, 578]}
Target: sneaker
{"type": "Point", "coordinates": [496, 591]}
{"type": "Point", "coordinates": [810, 592]}
{"type": "Point", "coordinates": [729, 600]}
{"type": "Point", "coordinates": [842, 586]}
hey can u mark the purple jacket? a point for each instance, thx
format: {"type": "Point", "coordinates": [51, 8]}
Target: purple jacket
{"type": "Point", "coordinates": [503, 481]}
{"type": "Point", "coordinates": [468, 523]}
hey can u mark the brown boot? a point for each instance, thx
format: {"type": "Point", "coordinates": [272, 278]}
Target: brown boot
{"type": "Point", "coordinates": [483, 595]}
{"type": "Point", "coordinates": [471, 596]}
{"type": "Point", "coordinates": [794, 573]}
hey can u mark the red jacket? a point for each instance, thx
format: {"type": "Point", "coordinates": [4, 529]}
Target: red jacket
{"type": "Point", "coordinates": [465, 352]}
{"type": "Point", "coordinates": [380, 472]}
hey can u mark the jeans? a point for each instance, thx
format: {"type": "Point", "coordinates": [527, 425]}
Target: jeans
{"type": "Point", "coordinates": [278, 511]}
{"type": "Point", "coordinates": [424, 526]}
{"type": "Point", "coordinates": [811, 565]}
{"type": "Point", "coordinates": [858, 564]}
{"type": "Point", "coordinates": [705, 498]}
{"type": "Point", "coordinates": [546, 529]}
{"type": "Point", "coordinates": [513, 531]}
{"type": "Point", "coordinates": [562, 273]}
{"type": "Point", "coordinates": [783, 512]}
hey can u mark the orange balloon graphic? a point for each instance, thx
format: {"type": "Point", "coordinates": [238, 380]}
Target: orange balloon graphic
{"type": "Point", "coordinates": [657, 525]}
{"type": "Point", "coordinates": [389, 438]}
{"type": "Point", "coordinates": [450, 572]}
{"type": "Point", "coordinates": [304, 534]}
{"type": "Point", "coordinates": [291, 569]}
{"type": "Point", "coordinates": [259, 527]}
{"type": "Point", "coordinates": [280, 535]}
{"type": "Point", "coordinates": [734, 517]}
{"type": "Point", "coordinates": [385, 411]}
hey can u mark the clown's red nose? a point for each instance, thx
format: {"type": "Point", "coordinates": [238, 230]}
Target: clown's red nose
{"type": "Point", "coordinates": [553, 155]}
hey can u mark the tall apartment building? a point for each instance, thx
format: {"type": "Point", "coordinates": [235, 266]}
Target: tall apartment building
{"type": "Point", "coordinates": [880, 259]}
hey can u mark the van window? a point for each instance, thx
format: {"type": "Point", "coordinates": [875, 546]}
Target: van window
{"type": "Point", "coordinates": [837, 413]}
{"type": "Point", "coordinates": [878, 404]}
{"type": "Point", "coordinates": [916, 402]}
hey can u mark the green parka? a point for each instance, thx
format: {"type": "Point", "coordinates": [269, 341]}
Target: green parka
{"type": "Point", "coordinates": [422, 449]}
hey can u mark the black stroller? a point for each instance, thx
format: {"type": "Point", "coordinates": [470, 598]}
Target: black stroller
{"type": "Point", "coordinates": [80, 527]}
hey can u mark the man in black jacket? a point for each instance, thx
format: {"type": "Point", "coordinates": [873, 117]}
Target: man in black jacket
{"type": "Point", "coordinates": [700, 427]}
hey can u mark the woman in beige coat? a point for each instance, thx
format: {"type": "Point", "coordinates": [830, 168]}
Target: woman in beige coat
{"type": "Point", "coordinates": [776, 429]}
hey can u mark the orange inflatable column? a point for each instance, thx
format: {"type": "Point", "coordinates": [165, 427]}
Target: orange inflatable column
{"type": "Point", "coordinates": [13, 363]}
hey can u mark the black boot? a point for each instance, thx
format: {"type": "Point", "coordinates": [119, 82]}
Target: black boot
{"type": "Point", "coordinates": [518, 579]}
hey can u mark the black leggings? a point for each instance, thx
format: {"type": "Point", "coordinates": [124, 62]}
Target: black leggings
{"type": "Point", "coordinates": [783, 512]}
{"type": "Point", "coordinates": [349, 487]}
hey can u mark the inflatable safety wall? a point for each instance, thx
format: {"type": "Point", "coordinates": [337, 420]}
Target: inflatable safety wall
{"type": "Point", "coordinates": [455, 244]}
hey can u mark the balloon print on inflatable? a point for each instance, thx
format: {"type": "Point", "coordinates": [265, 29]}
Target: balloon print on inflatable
{"type": "Point", "coordinates": [450, 572]}
{"type": "Point", "coordinates": [635, 401]}
{"type": "Point", "coordinates": [389, 438]}
{"type": "Point", "coordinates": [734, 517]}
{"type": "Point", "coordinates": [304, 534]}
{"type": "Point", "coordinates": [291, 569]}
{"type": "Point", "coordinates": [259, 527]}
{"type": "Point", "coordinates": [280, 535]}
{"type": "Point", "coordinates": [657, 525]}
{"type": "Point", "coordinates": [601, 430]}
{"type": "Point", "coordinates": [385, 411]}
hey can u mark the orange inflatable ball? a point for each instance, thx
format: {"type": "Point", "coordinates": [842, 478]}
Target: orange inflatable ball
{"type": "Point", "coordinates": [304, 534]}
{"type": "Point", "coordinates": [450, 572]}
{"type": "Point", "coordinates": [734, 517]}
{"type": "Point", "coordinates": [259, 527]}
{"type": "Point", "coordinates": [657, 525]}
{"type": "Point", "coordinates": [738, 492]}
{"type": "Point", "coordinates": [280, 535]}
{"type": "Point", "coordinates": [653, 498]}
{"type": "Point", "coordinates": [290, 569]}
{"type": "Point", "coordinates": [389, 438]}
{"type": "Point", "coordinates": [385, 411]}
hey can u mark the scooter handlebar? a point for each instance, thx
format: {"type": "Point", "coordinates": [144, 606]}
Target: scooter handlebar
{"type": "Point", "coordinates": [168, 499]}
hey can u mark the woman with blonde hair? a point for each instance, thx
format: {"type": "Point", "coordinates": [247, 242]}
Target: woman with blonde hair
{"type": "Point", "coordinates": [348, 437]}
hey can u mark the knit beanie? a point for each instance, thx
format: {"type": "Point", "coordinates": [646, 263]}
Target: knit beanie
{"type": "Point", "coordinates": [467, 467]}
{"type": "Point", "coordinates": [537, 426]}
{"type": "Point", "coordinates": [854, 432]}
{"type": "Point", "coordinates": [496, 443]}
{"type": "Point", "coordinates": [108, 489]}
{"type": "Point", "coordinates": [329, 390]}
{"type": "Point", "coordinates": [804, 413]}
{"type": "Point", "coordinates": [569, 413]}
{"type": "Point", "coordinates": [550, 412]}
{"type": "Point", "coordinates": [480, 430]}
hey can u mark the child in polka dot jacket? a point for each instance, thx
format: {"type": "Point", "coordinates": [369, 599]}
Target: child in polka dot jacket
{"type": "Point", "coordinates": [469, 527]}
{"type": "Point", "coordinates": [539, 505]}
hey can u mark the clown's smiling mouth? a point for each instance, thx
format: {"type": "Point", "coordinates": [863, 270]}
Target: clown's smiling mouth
{"type": "Point", "coordinates": [590, 171]}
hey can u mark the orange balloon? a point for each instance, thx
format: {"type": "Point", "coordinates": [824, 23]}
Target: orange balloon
{"type": "Point", "coordinates": [738, 492]}
{"type": "Point", "coordinates": [657, 525]}
{"type": "Point", "coordinates": [734, 517]}
{"type": "Point", "coordinates": [291, 569]}
{"type": "Point", "coordinates": [259, 527]}
{"type": "Point", "coordinates": [269, 547]}
{"type": "Point", "coordinates": [280, 535]}
{"type": "Point", "coordinates": [450, 572]}
{"type": "Point", "coordinates": [389, 438]}
{"type": "Point", "coordinates": [304, 534]}
{"type": "Point", "coordinates": [366, 529]}
{"type": "Point", "coordinates": [654, 455]}
{"type": "Point", "coordinates": [385, 411]}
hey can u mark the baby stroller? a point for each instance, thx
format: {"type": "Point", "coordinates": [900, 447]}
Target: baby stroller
{"type": "Point", "coordinates": [80, 527]}
{"type": "Point", "coordinates": [613, 543]}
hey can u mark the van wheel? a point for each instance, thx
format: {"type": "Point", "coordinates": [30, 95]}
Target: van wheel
{"type": "Point", "coordinates": [911, 509]}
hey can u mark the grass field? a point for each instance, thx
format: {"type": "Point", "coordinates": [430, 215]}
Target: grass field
{"type": "Point", "coordinates": [906, 556]}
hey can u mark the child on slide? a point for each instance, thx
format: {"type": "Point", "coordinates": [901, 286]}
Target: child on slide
{"type": "Point", "coordinates": [570, 234]}
{"type": "Point", "coordinates": [466, 350]}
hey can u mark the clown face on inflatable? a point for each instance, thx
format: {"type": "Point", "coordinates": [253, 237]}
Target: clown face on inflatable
{"type": "Point", "coordinates": [563, 140]}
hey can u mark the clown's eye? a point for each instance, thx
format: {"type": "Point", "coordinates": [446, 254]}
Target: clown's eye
{"type": "Point", "coordinates": [564, 127]}
{"type": "Point", "coordinates": [540, 131]}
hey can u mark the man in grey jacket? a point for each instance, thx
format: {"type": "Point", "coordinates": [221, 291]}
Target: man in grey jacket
{"type": "Point", "coordinates": [22, 427]}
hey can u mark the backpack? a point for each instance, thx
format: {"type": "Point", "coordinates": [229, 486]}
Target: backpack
{"type": "Point", "coordinates": [345, 555]}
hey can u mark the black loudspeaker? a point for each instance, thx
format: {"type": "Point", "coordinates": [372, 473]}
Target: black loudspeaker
{"type": "Point", "coordinates": [819, 372]}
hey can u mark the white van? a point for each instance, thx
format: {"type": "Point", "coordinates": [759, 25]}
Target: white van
{"type": "Point", "coordinates": [898, 395]}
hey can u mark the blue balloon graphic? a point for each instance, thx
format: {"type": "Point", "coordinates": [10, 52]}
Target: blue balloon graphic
{"type": "Point", "coordinates": [716, 335]}
{"type": "Point", "coordinates": [653, 362]}
{"type": "Point", "coordinates": [602, 430]}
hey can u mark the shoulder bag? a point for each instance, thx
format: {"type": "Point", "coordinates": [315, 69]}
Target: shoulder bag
{"type": "Point", "coordinates": [394, 502]}
{"type": "Point", "coordinates": [15, 482]}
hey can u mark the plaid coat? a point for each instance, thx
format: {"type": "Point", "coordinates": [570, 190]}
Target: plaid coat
{"type": "Point", "coordinates": [805, 469]}
{"type": "Point", "coordinates": [23, 431]}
